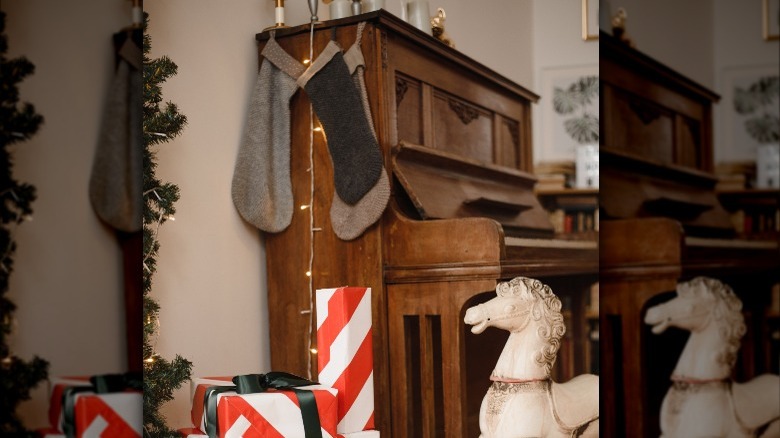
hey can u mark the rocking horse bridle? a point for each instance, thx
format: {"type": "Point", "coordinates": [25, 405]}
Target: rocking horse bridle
{"type": "Point", "coordinates": [486, 315]}
{"type": "Point", "coordinates": [668, 318]}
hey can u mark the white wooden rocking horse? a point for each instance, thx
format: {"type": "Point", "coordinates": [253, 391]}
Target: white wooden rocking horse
{"type": "Point", "coordinates": [703, 401]}
{"type": "Point", "coordinates": [523, 401]}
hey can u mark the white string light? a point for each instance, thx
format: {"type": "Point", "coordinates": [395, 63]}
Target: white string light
{"type": "Point", "coordinates": [311, 214]}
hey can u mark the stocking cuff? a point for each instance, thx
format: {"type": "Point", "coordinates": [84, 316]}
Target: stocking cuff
{"type": "Point", "coordinates": [325, 56]}
{"type": "Point", "coordinates": [274, 53]}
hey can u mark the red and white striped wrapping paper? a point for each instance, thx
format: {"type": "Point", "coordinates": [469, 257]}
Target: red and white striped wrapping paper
{"type": "Point", "coordinates": [345, 355]}
{"type": "Point", "coordinates": [271, 414]}
{"type": "Point", "coordinates": [118, 414]}
{"type": "Point", "coordinates": [193, 432]}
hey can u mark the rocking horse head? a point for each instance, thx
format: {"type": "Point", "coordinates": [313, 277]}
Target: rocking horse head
{"type": "Point", "coordinates": [523, 305]}
{"type": "Point", "coordinates": [703, 305]}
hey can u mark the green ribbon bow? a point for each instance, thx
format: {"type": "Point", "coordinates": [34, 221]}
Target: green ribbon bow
{"type": "Point", "coordinates": [101, 384]}
{"type": "Point", "coordinates": [258, 383]}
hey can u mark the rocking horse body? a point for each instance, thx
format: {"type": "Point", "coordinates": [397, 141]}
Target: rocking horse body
{"type": "Point", "coordinates": [523, 401]}
{"type": "Point", "coordinates": [703, 401]}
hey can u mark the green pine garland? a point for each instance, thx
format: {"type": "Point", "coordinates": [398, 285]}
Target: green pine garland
{"type": "Point", "coordinates": [161, 124]}
{"type": "Point", "coordinates": [18, 123]}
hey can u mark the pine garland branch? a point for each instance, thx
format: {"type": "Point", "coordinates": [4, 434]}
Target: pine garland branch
{"type": "Point", "coordinates": [162, 123]}
{"type": "Point", "coordinates": [18, 123]}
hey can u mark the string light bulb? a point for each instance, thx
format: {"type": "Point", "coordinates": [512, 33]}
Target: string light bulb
{"type": "Point", "coordinates": [308, 273]}
{"type": "Point", "coordinates": [318, 129]}
{"type": "Point", "coordinates": [304, 207]}
{"type": "Point", "coordinates": [313, 350]}
{"type": "Point", "coordinates": [306, 61]}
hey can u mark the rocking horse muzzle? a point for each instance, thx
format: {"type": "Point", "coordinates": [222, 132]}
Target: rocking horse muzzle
{"type": "Point", "coordinates": [659, 318]}
{"type": "Point", "coordinates": [480, 318]}
{"type": "Point", "coordinates": [476, 317]}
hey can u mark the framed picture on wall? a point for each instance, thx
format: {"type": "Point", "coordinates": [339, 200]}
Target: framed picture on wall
{"type": "Point", "coordinates": [770, 16]}
{"type": "Point", "coordinates": [570, 111]}
{"type": "Point", "coordinates": [590, 20]}
{"type": "Point", "coordinates": [749, 112]}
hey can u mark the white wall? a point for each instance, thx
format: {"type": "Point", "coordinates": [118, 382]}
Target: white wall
{"type": "Point", "coordinates": [557, 43]}
{"type": "Point", "coordinates": [210, 281]}
{"type": "Point", "coordinates": [497, 33]}
{"type": "Point", "coordinates": [67, 279]}
{"type": "Point", "coordinates": [210, 260]}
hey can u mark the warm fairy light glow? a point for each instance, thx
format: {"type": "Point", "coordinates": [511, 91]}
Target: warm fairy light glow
{"type": "Point", "coordinates": [317, 129]}
{"type": "Point", "coordinates": [171, 218]}
{"type": "Point", "coordinates": [308, 273]}
{"type": "Point", "coordinates": [149, 360]}
{"type": "Point", "coordinates": [306, 61]}
{"type": "Point", "coordinates": [304, 207]}
{"type": "Point", "coordinates": [313, 351]}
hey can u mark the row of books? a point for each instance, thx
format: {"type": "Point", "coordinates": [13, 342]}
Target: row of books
{"type": "Point", "coordinates": [756, 222]}
{"type": "Point", "coordinates": [575, 221]}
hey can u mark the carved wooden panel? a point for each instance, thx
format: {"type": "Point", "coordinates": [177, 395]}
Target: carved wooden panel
{"type": "Point", "coordinates": [639, 127]}
{"type": "Point", "coordinates": [408, 101]}
{"type": "Point", "coordinates": [460, 112]}
{"type": "Point", "coordinates": [688, 142]}
{"type": "Point", "coordinates": [462, 128]}
{"type": "Point", "coordinates": [507, 142]}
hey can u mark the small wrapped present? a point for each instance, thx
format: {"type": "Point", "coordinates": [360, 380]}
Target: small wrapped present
{"type": "Point", "coordinates": [273, 404]}
{"type": "Point", "coordinates": [361, 434]}
{"type": "Point", "coordinates": [345, 355]}
{"type": "Point", "coordinates": [194, 432]}
{"type": "Point", "coordinates": [98, 406]}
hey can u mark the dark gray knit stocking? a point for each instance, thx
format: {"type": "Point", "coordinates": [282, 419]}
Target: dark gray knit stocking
{"type": "Point", "coordinates": [357, 162]}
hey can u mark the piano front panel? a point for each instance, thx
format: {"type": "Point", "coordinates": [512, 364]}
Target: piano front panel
{"type": "Point", "coordinates": [653, 112]}
{"type": "Point", "coordinates": [454, 110]}
{"type": "Point", "coordinates": [641, 127]}
{"type": "Point", "coordinates": [408, 103]}
{"type": "Point", "coordinates": [462, 128]}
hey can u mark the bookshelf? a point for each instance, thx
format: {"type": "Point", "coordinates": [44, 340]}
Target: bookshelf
{"type": "Point", "coordinates": [573, 212]}
{"type": "Point", "coordinates": [754, 212]}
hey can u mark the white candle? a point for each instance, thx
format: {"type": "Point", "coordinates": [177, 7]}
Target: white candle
{"type": "Point", "coordinates": [340, 9]}
{"type": "Point", "coordinates": [373, 5]}
{"type": "Point", "coordinates": [418, 15]}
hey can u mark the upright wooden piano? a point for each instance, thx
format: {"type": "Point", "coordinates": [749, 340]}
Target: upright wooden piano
{"type": "Point", "coordinates": [662, 223]}
{"type": "Point", "coordinates": [456, 140]}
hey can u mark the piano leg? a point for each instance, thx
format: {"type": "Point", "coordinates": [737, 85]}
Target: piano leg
{"type": "Point", "coordinates": [427, 356]}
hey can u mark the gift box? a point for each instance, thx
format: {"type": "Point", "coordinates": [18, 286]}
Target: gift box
{"type": "Point", "coordinates": [100, 406]}
{"type": "Point", "coordinates": [226, 410]}
{"type": "Point", "coordinates": [194, 432]}
{"type": "Point", "coordinates": [345, 355]}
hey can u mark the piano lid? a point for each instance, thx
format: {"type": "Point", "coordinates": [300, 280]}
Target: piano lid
{"type": "Point", "coordinates": [443, 186]}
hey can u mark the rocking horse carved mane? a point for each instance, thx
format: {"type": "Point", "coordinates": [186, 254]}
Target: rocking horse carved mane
{"type": "Point", "coordinates": [703, 400]}
{"type": "Point", "coordinates": [523, 401]}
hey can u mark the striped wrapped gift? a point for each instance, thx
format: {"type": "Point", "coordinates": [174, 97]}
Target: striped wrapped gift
{"type": "Point", "coordinates": [345, 355]}
{"type": "Point", "coordinates": [194, 432]}
{"type": "Point", "coordinates": [114, 414]}
{"type": "Point", "coordinates": [275, 413]}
